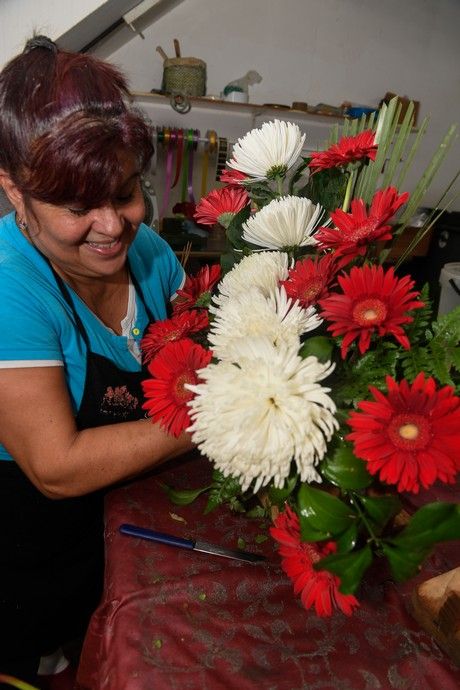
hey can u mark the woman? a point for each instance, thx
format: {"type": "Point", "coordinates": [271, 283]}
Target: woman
{"type": "Point", "coordinates": [80, 279]}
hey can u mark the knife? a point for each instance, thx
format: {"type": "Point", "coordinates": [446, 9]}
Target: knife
{"type": "Point", "coordinates": [191, 544]}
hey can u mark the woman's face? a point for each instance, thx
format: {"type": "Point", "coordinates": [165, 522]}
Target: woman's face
{"type": "Point", "coordinates": [89, 244]}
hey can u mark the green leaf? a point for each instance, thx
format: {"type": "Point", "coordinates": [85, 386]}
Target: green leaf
{"type": "Point", "coordinates": [381, 509]}
{"type": "Point", "coordinates": [404, 563]}
{"type": "Point", "coordinates": [323, 512]}
{"type": "Point", "coordinates": [227, 262]}
{"type": "Point", "coordinates": [235, 229]}
{"type": "Point", "coordinates": [349, 567]}
{"type": "Point", "coordinates": [223, 490]}
{"type": "Point", "coordinates": [345, 470]}
{"type": "Point", "coordinates": [319, 346]}
{"type": "Point", "coordinates": [278, 496]}
{"type": "Point", "coordinates": [309, 534]}
{"type": "Point", "coordinates": [260, 538]}
{"type": "Point", "coordinates": [298, 174]}
{"type": "Point", "coordinates": [432, 523]}
{"type": "Point", "coordinates": [326, 187]}
{"type": "Point", "coordinates": [347, 540]}
{"type": "Point", "coordinates": [183, 497]}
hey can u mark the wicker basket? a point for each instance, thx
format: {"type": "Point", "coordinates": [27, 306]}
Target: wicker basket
{"type": "Point", "coordinates": [185, 76]}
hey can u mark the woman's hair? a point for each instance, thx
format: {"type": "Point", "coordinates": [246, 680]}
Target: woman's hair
{"type": "Point", "coordinates": [64, 118]}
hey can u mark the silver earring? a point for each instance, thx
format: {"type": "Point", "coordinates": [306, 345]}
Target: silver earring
{"type": "Point", "coordinates": [22, 225]}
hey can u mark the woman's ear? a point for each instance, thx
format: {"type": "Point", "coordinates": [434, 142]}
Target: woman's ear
{"type": "Point", "coordinates": [12, 192]}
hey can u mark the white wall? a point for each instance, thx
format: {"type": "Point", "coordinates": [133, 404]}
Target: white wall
{"type": "Point", "coordinates": [306, 50]}
{"type": "Point", "coordinates": [314, 51]}
{"type": "Point", "coordinates": [19, 19]}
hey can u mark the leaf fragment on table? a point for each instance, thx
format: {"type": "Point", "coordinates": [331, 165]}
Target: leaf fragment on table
{"type": "Point", "coordinates": [260, 538]}
{"type": "Point", "coordinates": [241, 543]}
{"type": "Point", "coordinates": [175, 516]}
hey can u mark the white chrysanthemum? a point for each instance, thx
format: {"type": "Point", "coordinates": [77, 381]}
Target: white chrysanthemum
{"type": "Point", "coordinates": [252, 419]}
{"type": "Point", "coordinates": [250, 313]}
{"type": "Point", "coordinates": [268, 152]}
{"type": "Point", "coordinates": [263, 270]}
{"type": "Point", "coordinates": [285, 222]}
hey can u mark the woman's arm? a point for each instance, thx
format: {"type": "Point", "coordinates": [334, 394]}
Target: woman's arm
{"type": "Point", "coordinates": [38, 429]}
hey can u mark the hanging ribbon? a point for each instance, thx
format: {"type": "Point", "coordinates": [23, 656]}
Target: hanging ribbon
{"type": "Point", "coordinates": [180, 151]}
{"type": "Point", "coordinates": [209, 149]}
{"type": "Point", "coordinates": [188, 147]}
{"type": "Point", "coordinates": [193, 148]}
{"type": "Point", "coordinates": [169, 138]}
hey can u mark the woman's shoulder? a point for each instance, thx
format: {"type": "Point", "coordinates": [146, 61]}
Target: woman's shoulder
{"type": "Point", "coordinates": [151, 253]}
{"type": "Point", "coordinates": [148, 238]}
{"type": "Point", "coordinates": [18, 258]}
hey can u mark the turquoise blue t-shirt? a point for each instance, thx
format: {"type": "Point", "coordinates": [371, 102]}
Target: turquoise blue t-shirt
{"type": "Point", "coordinates": [37, 325]}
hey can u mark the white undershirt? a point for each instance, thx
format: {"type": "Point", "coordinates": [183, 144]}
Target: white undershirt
{"type": "Point", "coordinates": [128, 322]}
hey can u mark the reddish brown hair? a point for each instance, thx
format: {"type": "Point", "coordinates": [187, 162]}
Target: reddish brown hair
{"type": "Point", "coordinates": [64, 118]}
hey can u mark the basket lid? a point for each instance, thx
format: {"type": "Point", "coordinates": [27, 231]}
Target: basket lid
{"type": "Point", "coordinates": [184, 62]}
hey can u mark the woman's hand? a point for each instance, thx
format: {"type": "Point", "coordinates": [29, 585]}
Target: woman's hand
{"type": "Point", "coordinates": [37, 427]}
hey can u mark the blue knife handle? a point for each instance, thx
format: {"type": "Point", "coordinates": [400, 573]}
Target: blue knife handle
{"type": "Point", "coordinates": [161, 537]}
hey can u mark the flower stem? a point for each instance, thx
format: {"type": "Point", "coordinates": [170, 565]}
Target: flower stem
{"type": "Point", "coordinates": [279, 184]}
{"type": "Point", "coordinates": [348, 191]}
{"type": "Point", "coordinates": [373, 536]}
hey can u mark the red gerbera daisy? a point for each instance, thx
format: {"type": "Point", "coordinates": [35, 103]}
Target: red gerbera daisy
{"type": "Point", "coordinates": [221, 206]}
{"type": "Point", "coordinates": [318, 588]}
{"type": "Point", "coordinates": [232, 177]}
{"type": "Point", "coordinates": [411, 436]}
{"type": "Point", "coordinates": [166, 397]}
{"type": "Point", "coordinates": [373, 301]}
{"type": "Point", "coordinates": [354, 231]}
{"type": "Point", "coordinates": [347, 150]}
{"type": "Point", "coordinates": [310, 279]}
{"type": "Point", "coordinates": [175, 328]}
{"type": "Point", "coordinates": [197, 289]}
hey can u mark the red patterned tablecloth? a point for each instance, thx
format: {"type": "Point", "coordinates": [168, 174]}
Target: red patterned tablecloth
{"type": "Point", "coordinates": [180, 620]}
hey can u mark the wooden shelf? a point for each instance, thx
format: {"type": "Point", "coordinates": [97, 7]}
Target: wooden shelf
{"type": "Point", "coordinates": [216, 244]}
{"type": "Point", "coordinates": [253, 109]}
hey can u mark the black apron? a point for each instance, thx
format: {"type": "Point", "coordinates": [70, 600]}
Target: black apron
{"type": "Point", "coordinates": [52, 551]}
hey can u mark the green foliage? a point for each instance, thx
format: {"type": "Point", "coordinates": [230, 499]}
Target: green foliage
{"type": "Point", "coordinates": [343, 469]}
{"type": "Point", "coordinates": [261, 193]}
{"type": "Point", "coordinates": [319, 346]}
{"type": "Point", "coordinates": [432, 523]}
{"type": "Point", "coordinates": [183, 497]}
{"type": "Point", "coordinates": [320, 511]}
{"type": "Point", "coordinates": [224, 490]}
{"type": "Point", "coordinates": [278, 497]}
{"type": "Point", "coordinates": [235, 229]}
{"type": "Point", "coordinates": [326, 187]}
{"type": "Point", "coordinates": [350, 567]}
{"type": "Point", "coordinates": [435, 348]}
{"type": "Point", "coordinates": [404, 563]}
{"type": "Point", "coordinates": [360, 372]}
{"type": "Point", "coordinates": [381, 509]}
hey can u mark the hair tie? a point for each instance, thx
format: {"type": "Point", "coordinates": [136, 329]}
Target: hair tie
{"type": "Point", "coordinates": [40, 42]}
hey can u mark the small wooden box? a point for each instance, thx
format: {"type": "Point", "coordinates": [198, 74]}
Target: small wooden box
{"type": "Point", "coordinates": [404, 105]}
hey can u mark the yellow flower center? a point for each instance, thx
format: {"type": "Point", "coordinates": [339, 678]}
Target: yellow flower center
{"type": "Point", "coordinates": [363, 231]}
{"type": "Point", "coordinates": [409, 432]}
{"type": "Point", "coordinates": [370, 312]}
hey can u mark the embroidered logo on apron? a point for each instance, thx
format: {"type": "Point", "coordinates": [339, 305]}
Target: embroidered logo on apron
{"type": "Point", "coordinates": [118, 402]}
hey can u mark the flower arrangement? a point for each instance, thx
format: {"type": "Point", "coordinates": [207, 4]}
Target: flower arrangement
{"type": "Point", "coordinates": [308, 369]}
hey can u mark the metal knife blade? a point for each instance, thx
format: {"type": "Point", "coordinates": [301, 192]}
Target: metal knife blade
{"type": "Point", "coordinates": [237, 554]}
{"type": "Point", "coordinates": [190, 544]}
